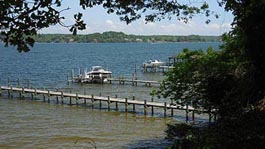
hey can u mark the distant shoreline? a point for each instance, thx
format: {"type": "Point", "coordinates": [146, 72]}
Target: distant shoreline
{"type": "Point", "coordinates": [119, 37]}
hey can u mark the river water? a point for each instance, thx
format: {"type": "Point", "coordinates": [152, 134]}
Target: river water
{"type": "Point", "coordinates": [34, 124]}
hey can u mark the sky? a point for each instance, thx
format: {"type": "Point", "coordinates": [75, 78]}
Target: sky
{"type": "Point", "coordinates": [98, 20]}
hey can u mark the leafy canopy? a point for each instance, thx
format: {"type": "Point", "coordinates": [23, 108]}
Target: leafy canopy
{"type": "Point", "coordinates": [20, 19]}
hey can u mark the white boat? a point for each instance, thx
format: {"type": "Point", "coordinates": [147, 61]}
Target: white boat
{"type": "Point", "coordinates": [97, 74]}
{"type": "Point", "coordinates": [153, 63]}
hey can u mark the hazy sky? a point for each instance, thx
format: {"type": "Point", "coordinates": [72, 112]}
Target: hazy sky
{"type": "Point", "coordinates": [98, 20]}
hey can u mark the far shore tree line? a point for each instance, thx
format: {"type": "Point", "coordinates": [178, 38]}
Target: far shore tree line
{"type": "Point", "coordinates": [120, 37]}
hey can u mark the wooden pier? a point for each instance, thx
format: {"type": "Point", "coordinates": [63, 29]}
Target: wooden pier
{"type": "Point", "coordinates": [133, 82]}
{"type": "Point", "coordinates": [156, 68]}
{"type": "Point", "coordinates": [78, 99]}
{"type": "Point", "coordinates": [120, 81]}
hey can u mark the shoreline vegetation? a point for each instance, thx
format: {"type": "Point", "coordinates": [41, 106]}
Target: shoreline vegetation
{"type": "Point", "coordinates": [120, 37]}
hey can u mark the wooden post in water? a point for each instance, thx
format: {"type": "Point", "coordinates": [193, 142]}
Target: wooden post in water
{"type": "Point", "coordinates": [35, 93]}
{"type": "Point", "coordinates": [0, 90]}
{"type": "Point", "coordinates": [108, 103]}
{"type": "Point", "coordinates": [116, 106]}
{"type": "Point", "coordinates": [193, 116]}
{"type": "Point", "coordinates": [145, 112]}
{"type": "Point", "coordinates": [57, 99]}
{"type": "Point", "coordinates": [133, 104]}
{"type": "Point", "coordinates": [210, 115]}
{"type": "Point", "coordinates": [187, 113]}
{"type": "Point", "coordinates": [165, 109]}
{"type": "Point", "coordinates": [172, 110]}
{"type": "Point", "coordinates": [152, 108]}
{"type": "Point", "coordinates": [126, 105]}
{"type": "Point", "coordinates": [43, 97]}
{"type": "Point", "coordinates": [23, 92]}
{"type": "Point", "coordinates": [8, 92]}
{"type": "Point", "coordinates": [92, 101]}
{"type": "Point", "coordinates": [76, 99]}
{"type": "Point", "coordinates": [11, 94]}
{"type": "Point", "coordinates": [49, 96]}
{"type": "Point", "coordinates": [85, 98]}
{"type": "Point", "coordinates": [70, 99]}
{"type": "Point", "coordinates": [61, 97]}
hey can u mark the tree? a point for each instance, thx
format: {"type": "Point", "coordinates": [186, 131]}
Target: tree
{"type": "Point", "coordinates": [20, 20]}
{"type": "Point", "coordinates": [234, 85]}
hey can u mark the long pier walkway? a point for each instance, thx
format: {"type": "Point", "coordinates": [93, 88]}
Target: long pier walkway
{"type": "Point", "coordinates": [78, 99]}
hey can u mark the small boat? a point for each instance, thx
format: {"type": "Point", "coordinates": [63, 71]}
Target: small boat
{"type": "Point", "coordinates": [97, 74]}
{"type": "Point", "coordinates": [153, 63]}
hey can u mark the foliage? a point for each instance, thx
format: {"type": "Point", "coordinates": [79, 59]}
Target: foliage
{"type": "Point", "coordinates": [20, 19]}
{"type": "Point", "coordinates": [202, 78]}
{"type": "Point", "coordinates": [120, 37]}
{"type": "Point", "coordinates": [246, 131]}
{"type": "Point", "coordinates": [234, 85]}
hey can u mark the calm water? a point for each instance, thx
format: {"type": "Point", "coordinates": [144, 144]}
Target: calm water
{"type": "Point", "coordinates": [34, 124]}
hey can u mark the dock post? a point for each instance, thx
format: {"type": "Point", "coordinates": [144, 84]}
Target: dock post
{"type": "Point", "coordinates": [116, 106]}
{"type": "Point", "coordinates": [187, 113]}
{"type": "Point", "coordinates": [85, 98]}
{"type": "Point", "coordinates": [210, 116]}
{"type": "Point", "coordinates": [165, 109]}
{"type": "Point", "coordinates": [92, 101]}
{"type": "Point", "coordinates": [61, 97]}
{"type": "Point", "coordinates": [57, 100]}
{"type": "Point", "coordinates": [70, 99]}
{"type": "Point", "coordinates": [35, 93]}
{"type": "Point", "coordinates": [108, 103]}
{"type": "Point", "coordinates": [172, 110]}
{"type": "Point", "coordinates": [8, 92]}
{"type": "Point", "coordinates": [100, 104]}
{"type": "Point", "coordinates": [214, 118]}
{"type": "Point", "coordinates": [49, 95]}
{"type": "Point", "coordinates": [193, 116]}
{"type": "Point", "coordinates": [126, 105]}
{"type": "Point", "coordinates": [145, 107]}
{"type": "Point", "coordinates": [11, 93]}
{"type": "Point", "coordinates": [0, 90]}
{"type": "Point", "coordinates": [133, 104]}
{"type": "Point", "coordinates": [23, 92]}
{"type": "Point", "coordinates": [44, 97]}
{"type": "Point", "coordinates": [76, 99]}
{"type": "Point", "coordinates": [32, 96]}
{"type": "Point", "coordinates": [152, 108]}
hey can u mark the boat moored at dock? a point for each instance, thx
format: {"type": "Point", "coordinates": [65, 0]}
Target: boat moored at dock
{"type": "Point", "coordinates": [97, 74]}
{"type": "Point", "coordinates": [153, 63]}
